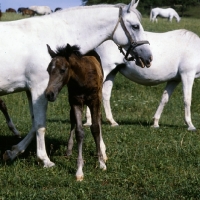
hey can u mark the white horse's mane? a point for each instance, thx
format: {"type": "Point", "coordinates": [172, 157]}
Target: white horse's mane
{"type": "Point", "coordinates": [138, 14]}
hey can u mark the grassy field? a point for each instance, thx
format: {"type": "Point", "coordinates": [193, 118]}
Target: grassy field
{"type": "Point", "coordinates": [144, 163]}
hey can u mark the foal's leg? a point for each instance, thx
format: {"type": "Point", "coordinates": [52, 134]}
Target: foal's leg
{"type": "Point", "coordinates": [9, 122]}
{"type": "Point", "coordinates": [72, 130]}
{"type": "Point", "coordinates": [188, 80]}
{"type": "Point", "coordinates": [79, 138]}
{"type": "Point", "coordinates": [171, 85]}
{"type": "Point", "coordinates": [97, 134]}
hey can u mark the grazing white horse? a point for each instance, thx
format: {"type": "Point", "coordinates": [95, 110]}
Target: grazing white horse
{"type": "Point", "coordinates": [176, 59]}
{"type": "Point", "coordinates": [24, 66]}
{"type": "Point", "coordinates": [41, 10]}
{"type": "Point", "coordinates": [164, 12]}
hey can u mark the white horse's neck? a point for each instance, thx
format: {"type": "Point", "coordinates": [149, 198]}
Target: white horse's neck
{"type": "Point", "coordinates": [92, 25]}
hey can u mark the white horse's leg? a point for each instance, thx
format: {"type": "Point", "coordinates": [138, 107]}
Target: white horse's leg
{"type": "Point", "coordinates": [88, 117]}
{"type": "Point", "coordinates": [171, 85]}
{"type": "Point", "coordinates": [188, 80]}
{"type": "Point", "coordinates": [9, 122]}
{"type": "Point", "coordinates": [39, 113]}
{"type": "Point", "coordinates": [21, 146]}
{"type": "Point", "coordinates": [106, 93]}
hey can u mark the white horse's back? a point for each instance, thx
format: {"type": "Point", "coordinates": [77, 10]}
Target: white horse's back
{"type": "Point", "coordinates": [164, 12]}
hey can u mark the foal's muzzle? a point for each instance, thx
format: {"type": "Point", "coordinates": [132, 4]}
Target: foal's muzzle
{"type": "Point", "coordinates": [51, 96]}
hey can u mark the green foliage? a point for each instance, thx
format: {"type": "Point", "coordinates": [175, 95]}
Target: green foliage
{"type": "Point", "coordinates": [145, 6]}
{"type": "Point", "coordinates": [144, 163]}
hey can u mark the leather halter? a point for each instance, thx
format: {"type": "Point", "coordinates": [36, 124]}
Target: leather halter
{"type": "Point", "coordinates": [134, 44]}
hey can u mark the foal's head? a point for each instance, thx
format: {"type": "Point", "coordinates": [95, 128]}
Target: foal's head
{"type": "Point", "coordinates": [59, 69]}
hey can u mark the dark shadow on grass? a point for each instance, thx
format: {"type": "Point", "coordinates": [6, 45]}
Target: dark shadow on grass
{"type": "Point", "coordinates": [145, 123]}
{"type": "Point", "coordinates": [63, 121]}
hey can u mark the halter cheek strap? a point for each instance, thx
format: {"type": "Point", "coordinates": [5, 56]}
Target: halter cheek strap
{"type": "Point", "coordinates": [133, 43]}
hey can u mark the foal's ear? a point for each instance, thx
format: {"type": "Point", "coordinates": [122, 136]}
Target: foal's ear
{"type": "Point", "coordinates": [69, 48]}
{"type": "Point", "coordinates": [51, 52]}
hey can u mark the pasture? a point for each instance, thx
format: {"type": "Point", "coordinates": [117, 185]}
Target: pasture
{"type": "Point", "coordinates": [143, 163]}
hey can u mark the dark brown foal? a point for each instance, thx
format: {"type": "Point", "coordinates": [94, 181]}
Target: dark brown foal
{"type": "Point", "coordinates": [83, 76]}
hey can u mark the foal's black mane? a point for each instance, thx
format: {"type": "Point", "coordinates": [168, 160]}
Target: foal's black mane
{"type": "Point", "coordinates": [67, 51]}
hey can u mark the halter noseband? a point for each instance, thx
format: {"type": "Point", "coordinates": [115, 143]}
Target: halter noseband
{"type": "Point", "coordinates": [133, 43]}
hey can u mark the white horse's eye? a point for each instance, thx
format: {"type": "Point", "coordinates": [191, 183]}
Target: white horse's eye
{"type": "Point", "coordinates": [135, 27]}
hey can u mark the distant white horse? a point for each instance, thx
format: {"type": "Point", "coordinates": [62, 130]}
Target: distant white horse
{"type": "Point", "coordinates": [176, 59]}
{"type": "Point", "coordinates": [27, 70]}
{"type": "Point", "coordinates": [41, 10]}
{"type": "Point", "coordinates": [166, 13]}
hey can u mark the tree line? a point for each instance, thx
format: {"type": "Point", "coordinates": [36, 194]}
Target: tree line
{"type": "Point", "coordinates": [145, 5]}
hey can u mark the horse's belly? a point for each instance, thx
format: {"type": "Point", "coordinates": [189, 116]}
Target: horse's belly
{"type": "Point", "coordinates": [148, 76]}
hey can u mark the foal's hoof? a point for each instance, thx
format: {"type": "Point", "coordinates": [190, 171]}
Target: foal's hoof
{"type": "Point", "coordinates": [79, 178]}
{"type": "Point", "coordinates": [192, 128]}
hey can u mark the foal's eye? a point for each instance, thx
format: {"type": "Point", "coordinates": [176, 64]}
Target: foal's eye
{"type": "Point", "coordinates": [62, 71]}
{"type": "Point", "coordinates": [135, 27]}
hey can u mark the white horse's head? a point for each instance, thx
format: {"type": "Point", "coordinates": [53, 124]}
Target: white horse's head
{"type": "Point", "coordinates": [135, 42]}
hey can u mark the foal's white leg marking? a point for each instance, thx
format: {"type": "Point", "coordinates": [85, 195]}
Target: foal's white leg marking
{"type": "Point", "coordinates": [171, 85]}
{"type": "Point", "coordinates": [80, 164]}
{"type": "Point", "coordinates": [88, 117]}
{"type": "Point", "coordinates": [188, 80]}
{"type": "Point", "coordinates": [106, 93]}
{"type": "Point", "coordinates": [103, 151]}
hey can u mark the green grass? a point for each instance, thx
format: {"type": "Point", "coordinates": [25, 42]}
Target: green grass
{"type": "Point", "coordinates": [144, 163]}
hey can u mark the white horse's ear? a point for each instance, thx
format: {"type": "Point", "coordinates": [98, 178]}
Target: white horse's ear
{"type": "Point", "coordinates": [136, 4]}
{"type": "Point", "coordinates": [132, 4]}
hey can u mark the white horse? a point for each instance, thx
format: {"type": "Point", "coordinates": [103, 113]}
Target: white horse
{"type": "Point", "coordinates": [41, 10]}
{"type": "Point", "coordinates": [24, 66]}
{"type": "Point", "coordinates": [166, 13]}
{"type": "Point", "coordinates": [176, 58]}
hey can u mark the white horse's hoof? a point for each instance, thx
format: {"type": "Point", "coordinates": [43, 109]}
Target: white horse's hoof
{"type": "Point", "coordinates": [114, 124]}
{"type": "Point", "coordinates": [191, 128]}
{"type": "Point", "coordinates": [155, 126]}
{"type": "Point", "coordinates": [9, 155]}
{"type": "Point", "coordinates": [49, 164]}
{"type": "Point", "coordinates": [87, 124]}
{"type": "Point", "coordinates": [79, 178]}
